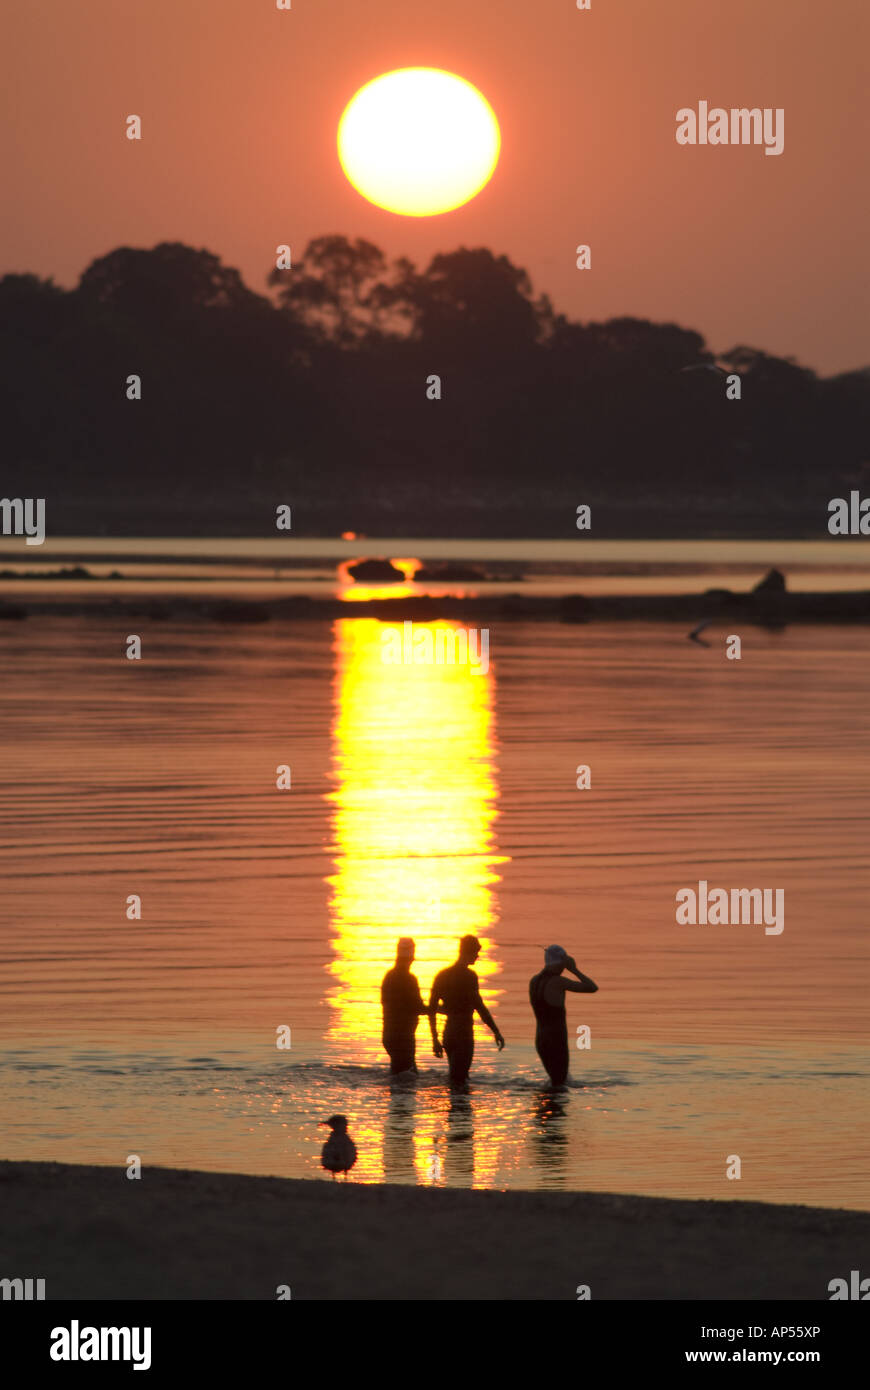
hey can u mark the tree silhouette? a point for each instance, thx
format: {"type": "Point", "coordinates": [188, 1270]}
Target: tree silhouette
{"type": "Point", "coordinates": [341, 290]}
{"type": "Point", "coordinates": [315, 394]}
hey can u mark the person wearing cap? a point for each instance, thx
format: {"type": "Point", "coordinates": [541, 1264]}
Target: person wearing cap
{"type": "Point", "coordinates": [402, 1005]}
{"type": "Point", "coordinates": [456, 993]}
{"type": "Point", "coordinates": [547, 997]}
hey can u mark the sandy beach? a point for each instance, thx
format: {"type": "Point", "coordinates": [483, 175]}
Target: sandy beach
{"type": "Point", "coordinates": [92, 1233]}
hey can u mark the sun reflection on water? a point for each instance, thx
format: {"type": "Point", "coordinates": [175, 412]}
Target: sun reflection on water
{"type": "Point", "coordinates": [414, 805]}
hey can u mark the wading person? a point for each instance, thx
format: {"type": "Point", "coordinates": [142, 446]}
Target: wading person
{"type": "Point", "coordinates": [456, 993]}
{"type": "Point", "coordinates": [402, 1005]}
{"type": "Point", "coordinates": [547, 996]}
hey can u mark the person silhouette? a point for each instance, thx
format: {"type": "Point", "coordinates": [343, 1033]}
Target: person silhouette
{"type": "Point", "coordinates": [456, 992]}
{"type": "Point", "coordinates": [547, 997]}
{"type": "Point", "coordinates": [402, 1004]}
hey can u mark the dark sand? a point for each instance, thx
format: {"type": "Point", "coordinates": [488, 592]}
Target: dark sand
{"type": "Point", "coordinates": [93, 1233]}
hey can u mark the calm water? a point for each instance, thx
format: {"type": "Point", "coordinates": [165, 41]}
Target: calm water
{"type": "Point", "coordinates": [432, 801]}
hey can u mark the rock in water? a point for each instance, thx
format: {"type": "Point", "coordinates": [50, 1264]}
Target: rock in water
{"type": "Point", "coordinates": [375, 572]}
{"type": "Point", "coordinates": [772, 583]}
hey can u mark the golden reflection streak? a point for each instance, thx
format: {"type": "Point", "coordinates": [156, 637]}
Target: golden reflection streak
{"type": "Point", "coordinates": [414, 804]}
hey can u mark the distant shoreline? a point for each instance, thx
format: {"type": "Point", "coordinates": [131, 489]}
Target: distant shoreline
{"type": "Point", "coordinates": [760, 609]}
{"type": "Point", "coordinates": [90, 1232]}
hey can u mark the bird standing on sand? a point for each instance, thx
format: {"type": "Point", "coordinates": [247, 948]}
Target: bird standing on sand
{"type": "Point", "coordinates": [339, 1151]}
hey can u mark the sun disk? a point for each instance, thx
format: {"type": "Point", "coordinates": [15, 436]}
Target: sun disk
{"type": "Point", "coordinates": [418, 141]}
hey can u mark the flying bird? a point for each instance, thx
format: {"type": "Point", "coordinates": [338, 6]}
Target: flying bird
{"type": "Point", "coordinates": [695, 634]}
{"type": "Point", "coordinates": [339, 1151]}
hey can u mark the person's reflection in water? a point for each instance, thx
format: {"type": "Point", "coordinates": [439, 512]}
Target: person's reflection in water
{"type": "Point", "coordinates": [399, 1133]}
{"type": "Point", "coordinates": [402, 1005]}
{"type": "Point", "coordinates": [550, 1149]}
{"type": "Point", "coordinates": [460, 1138]}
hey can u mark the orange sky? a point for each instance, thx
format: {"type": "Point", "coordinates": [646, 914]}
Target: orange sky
{"type": "Point", "coordinates": [240, 103]}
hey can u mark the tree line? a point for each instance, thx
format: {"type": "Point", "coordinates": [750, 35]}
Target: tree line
{"type": "Point", "coordinates": [313, 393]}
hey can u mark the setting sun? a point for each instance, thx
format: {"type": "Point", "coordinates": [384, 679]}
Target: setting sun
{"type": "Point", "coordinates": [418, 141]}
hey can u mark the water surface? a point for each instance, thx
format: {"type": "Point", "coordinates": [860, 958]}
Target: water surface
{"type": "Point", "coordinates": [430, 801]}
